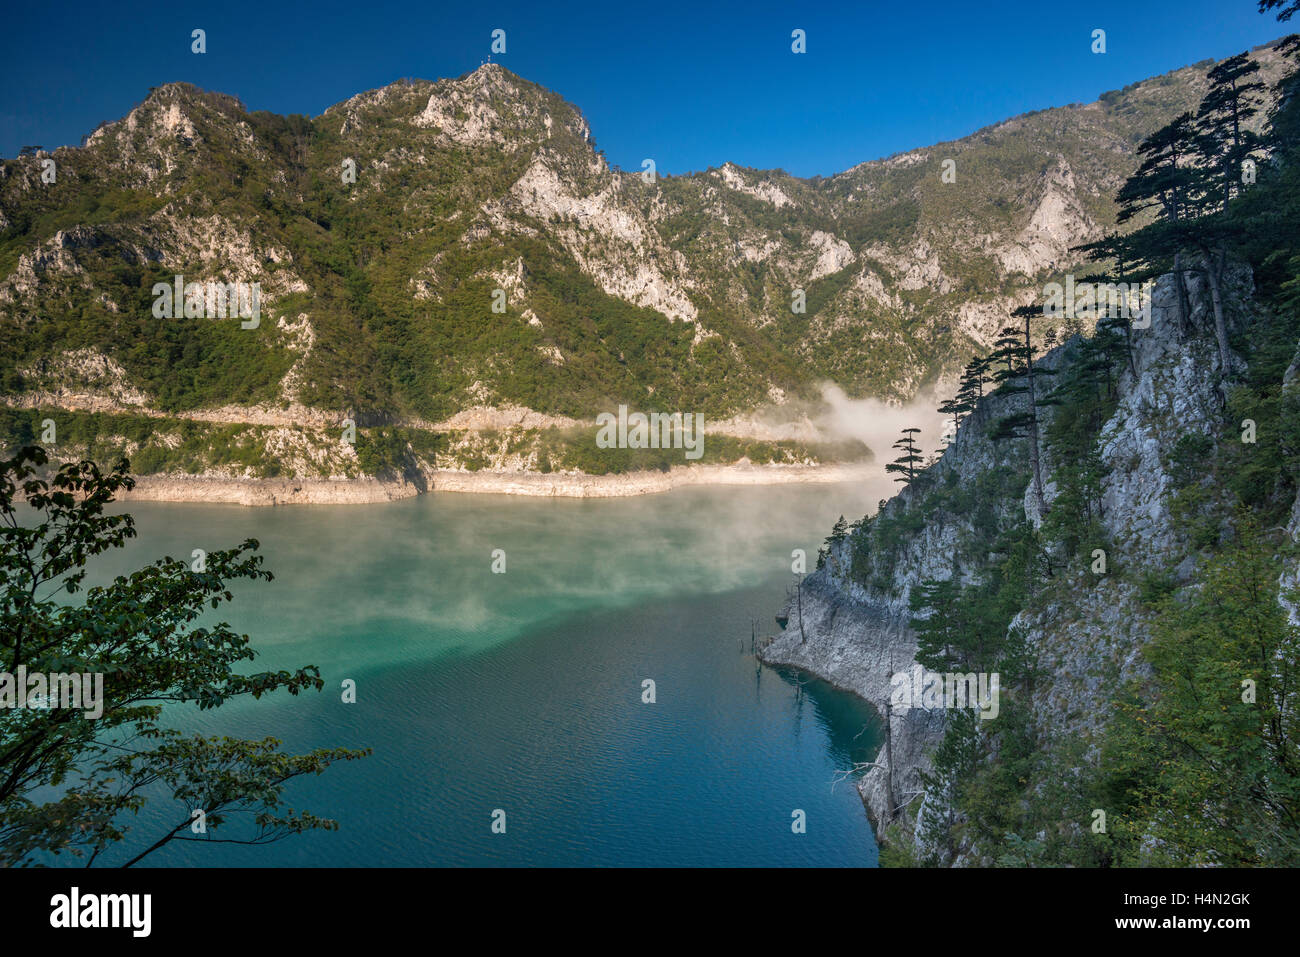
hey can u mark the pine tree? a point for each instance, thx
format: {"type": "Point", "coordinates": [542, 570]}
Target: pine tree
{"type": "Point", "coordinates": [1222, 142]}
{"type": "Point", "coordinates": [1114, 248]}
{"type": "Point", "coordinates": [1005, 350]}
{"type": "Point", "coordinates": [973, 377]}
{"type": "Point", "coordinates": [1283, 136]}
{"type": "Point", "coordinates": [838, 531]}
{"type": "Point", "coordinates": [1016, 348]}
{"type": "Point", "coordinates": [1163, 181]}
{"type": "Point", "coordinates": [1181, 185]}
{"type": "Point", "coordinates": [940, 634]}
{"type": "Point", "coordinates": [1232, 100]}
{"type": "Point", "coordinates": [906, 464]}
{"type": "Point", "coordinates": [956, 407]}
{"type": "Point", "coordinates": [1286, 9]}
{"type": "Point", "coordinates": [970, 389]}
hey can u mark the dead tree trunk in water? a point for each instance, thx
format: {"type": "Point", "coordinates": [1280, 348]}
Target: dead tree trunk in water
{"type": "Point", "coordinates": [889, 747]}
{"type": "Point", "coordinates": [802, 637]}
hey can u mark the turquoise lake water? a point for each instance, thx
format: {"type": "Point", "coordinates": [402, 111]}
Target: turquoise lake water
{"type": "Point", "coordinates": [522, 691]}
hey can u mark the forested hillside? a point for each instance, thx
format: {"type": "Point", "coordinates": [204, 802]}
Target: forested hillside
{"type": "Point", "coordinates": [431, 248]}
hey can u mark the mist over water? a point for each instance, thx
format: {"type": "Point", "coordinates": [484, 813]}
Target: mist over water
{"type": "Point", "coordinates": [837, 417]}
{"type": "Point", "coordinates": [522, 690]}
{"type": "Point", "coordinates": [879, 424]}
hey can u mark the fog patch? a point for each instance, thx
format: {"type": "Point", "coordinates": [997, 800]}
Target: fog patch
{"type": "Point", "coordinates": [878, 424]}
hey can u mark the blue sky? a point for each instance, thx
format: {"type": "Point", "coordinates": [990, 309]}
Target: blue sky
{"type": "Point", "coordinates": [692, 85]}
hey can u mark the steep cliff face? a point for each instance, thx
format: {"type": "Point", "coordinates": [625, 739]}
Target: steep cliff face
{"type": "Point", "coordinates": [1086, 625]}
{"type": "Point", "coordinates": [850, 624]}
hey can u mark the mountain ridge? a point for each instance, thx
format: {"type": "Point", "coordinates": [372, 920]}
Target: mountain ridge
{"type": "Point", "coordinates": [673, 293]}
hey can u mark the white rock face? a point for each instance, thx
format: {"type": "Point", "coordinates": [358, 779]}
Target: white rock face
{"type": "Point", "coordinates": [57, 255]}
{"type": "Point", "coordinates": [899, 160]}
{"type": "Point", "coordinates": [1058, 222]}
{"type": "Point", "coordinates": [147, 144]}
{"type": "Point", "coordinates": [609, 242]}
{"type": "Point", "coordinates": [757, 249]}
{"type": "Point", "coordinates": [767, 191]}
{"type": "Point", "coordinates": [227, 251]}
{"type": "Point", "coordinates": [833, 254]}
{"type": "Point", "coordinates": [300, 336]}
{"type": "Point", "coordinates": [484, 110]}
{"type": "Point", "coordinates": [82, 378]}
{"type": "Point", "coordinates": [510, 278]}
{"type": "Point", "coordinates": [202, 248]}
{"type": "Point", "coordinates": [918, 268]}
{"type": "Point", "coordinates": [869, 284]}
{"type": "Point", "coordinates": [982, 321]}
{"type": "Point", "coordinates": [678, 246]}
{"type": "Point", "coordinates": [552, 355]}
{"type": "Point", "coordinates": [501, 417]}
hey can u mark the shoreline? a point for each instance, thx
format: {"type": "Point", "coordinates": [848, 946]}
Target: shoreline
{"type": "Point", "coordinates": [370, 491]}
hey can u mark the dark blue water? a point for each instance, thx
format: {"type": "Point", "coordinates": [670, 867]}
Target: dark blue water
{"type": "Point", "coordinates": [522, 691]}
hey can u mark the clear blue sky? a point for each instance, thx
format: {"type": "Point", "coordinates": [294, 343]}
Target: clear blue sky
{"type": "Point", "coordinates": [692, 85]}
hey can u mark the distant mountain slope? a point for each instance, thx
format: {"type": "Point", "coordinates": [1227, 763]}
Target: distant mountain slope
{"type": "Point", "coordinates": [377, 296]}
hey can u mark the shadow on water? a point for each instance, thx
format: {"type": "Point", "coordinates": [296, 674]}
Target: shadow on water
{"type": "Point", "coordinates": [853, 729]}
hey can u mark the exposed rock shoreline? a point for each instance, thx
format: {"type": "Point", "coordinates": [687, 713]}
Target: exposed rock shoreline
{"type": "Point", "coordinates": [263, 492]}
{"type": "Point", "coordinates": [855, 630]}
{"type": "Point", "coordinates": [855, 643]}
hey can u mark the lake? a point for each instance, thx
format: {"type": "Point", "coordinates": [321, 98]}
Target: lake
{"type": "Point", "coordinates": [521, 690]}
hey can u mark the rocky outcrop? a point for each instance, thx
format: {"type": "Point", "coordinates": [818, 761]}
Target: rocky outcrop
{"type": "Point", "coordinates": [856, 643]}
{"type": "Point", "coordinates": [1087, 638]}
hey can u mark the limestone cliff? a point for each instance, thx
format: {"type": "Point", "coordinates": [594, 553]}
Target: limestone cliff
{"type": "Point", "coordinates": [1086, 629]}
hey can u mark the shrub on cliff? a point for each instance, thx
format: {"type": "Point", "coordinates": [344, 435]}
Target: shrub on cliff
{"type": "Point", "coordinates": [72, 776]}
